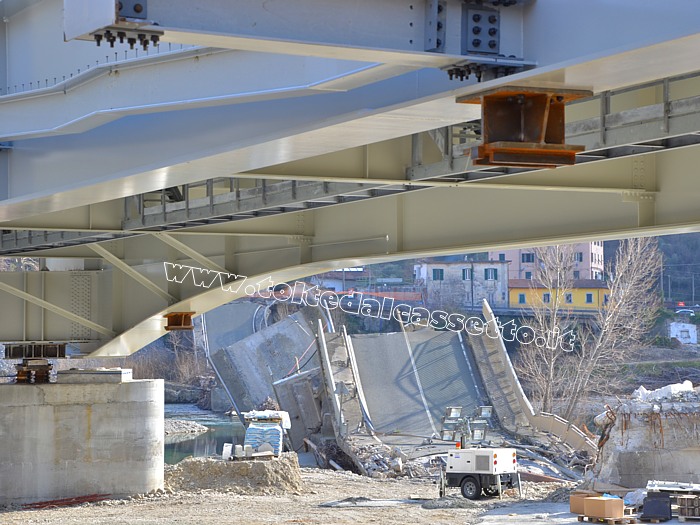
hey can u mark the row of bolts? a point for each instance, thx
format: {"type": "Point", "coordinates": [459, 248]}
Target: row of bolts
{"type": "Point", "coordinates": [18, 88]}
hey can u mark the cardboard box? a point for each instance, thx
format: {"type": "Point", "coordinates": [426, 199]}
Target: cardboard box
{"type": "Point", "coordinates": [576, 500]}
{"type": "Point", "coordinates": [597, 507]}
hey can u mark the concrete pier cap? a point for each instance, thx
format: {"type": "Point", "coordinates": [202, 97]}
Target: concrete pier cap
{"type": "Point", "coordinates": [91, 432]}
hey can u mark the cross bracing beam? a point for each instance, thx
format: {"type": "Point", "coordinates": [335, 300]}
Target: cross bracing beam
{"type": "Point", "coordinates": [128, 270]}
{"type": "Point", "coordinates": [189, 252]}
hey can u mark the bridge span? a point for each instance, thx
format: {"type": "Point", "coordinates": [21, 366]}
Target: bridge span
{"type": "Point", "coordinates": [283, 139]}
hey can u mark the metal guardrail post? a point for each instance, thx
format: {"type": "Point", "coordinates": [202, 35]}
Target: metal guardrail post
{"type": "Point", "coordinates": [358, 383]}
{"type": "Point", "coordinates": [327, 372]}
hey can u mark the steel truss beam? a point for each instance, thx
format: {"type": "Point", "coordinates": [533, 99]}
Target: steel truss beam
{"type": "Point", "coordinates": [128, 270]}
{"type": "Point", "coordinates": [392, 32]}
{"type": "Point", "coordinates": [56, 309]}
{"type": "Point", "coordinates": [76, 104]}
{"type": "Point", "coordinates": [276, 198]}
{"type": "Point", "coordinates": [667, 125]}
{"type": "Point", "coordinates": [189, 252]}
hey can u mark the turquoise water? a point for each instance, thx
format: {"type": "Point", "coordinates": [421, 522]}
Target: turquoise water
{"type": "Point", "coordinates": [221, 430]}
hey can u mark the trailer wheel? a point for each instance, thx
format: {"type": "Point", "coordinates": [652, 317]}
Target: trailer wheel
{"type": "Point", "coordinates": [471, 488]}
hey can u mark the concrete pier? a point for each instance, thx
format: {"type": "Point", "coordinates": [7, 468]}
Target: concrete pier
{"type": "Point", "coordinates": [76, 438]}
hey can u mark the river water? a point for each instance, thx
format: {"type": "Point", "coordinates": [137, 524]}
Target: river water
{"type": "Point", "coordinates": [221, 430]}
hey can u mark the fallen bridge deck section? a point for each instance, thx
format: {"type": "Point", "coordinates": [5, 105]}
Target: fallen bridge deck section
{"type": "Point", "coordinates": [514, 410]}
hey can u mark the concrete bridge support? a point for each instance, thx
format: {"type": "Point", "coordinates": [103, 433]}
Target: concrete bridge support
{"type": "Point", "coordinates": [87, 434]}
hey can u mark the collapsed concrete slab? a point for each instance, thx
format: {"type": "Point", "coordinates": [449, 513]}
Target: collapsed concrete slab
{"type": "Point", "coordinates": [654, 435]}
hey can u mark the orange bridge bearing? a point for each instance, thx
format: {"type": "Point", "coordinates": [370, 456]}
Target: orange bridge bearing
{"type": "Point", "coordinates": [524, 127]}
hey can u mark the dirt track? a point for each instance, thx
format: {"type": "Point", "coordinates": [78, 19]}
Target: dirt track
{"type": "Point", "coordinates": [320, 486]}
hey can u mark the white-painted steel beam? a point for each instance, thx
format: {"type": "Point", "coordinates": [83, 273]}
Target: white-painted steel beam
{"type": "Point", "coordinates": [281, 132]}
{"type": "Point", "coordinates": [391, 32]}
{"type": "Point", "coordinates": [128, 270]}
{"type": "Point", "coordinates": [56, 309]}
{"type": "Point", "coordinates": [180, 246]}
{"type": "Point", "coordinates": [250, 123]}
{"type": "Point", "coordinates": [78, 104]}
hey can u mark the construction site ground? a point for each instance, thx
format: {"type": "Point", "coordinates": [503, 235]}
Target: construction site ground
{"type": "Point", "coordinates": [305, 506]}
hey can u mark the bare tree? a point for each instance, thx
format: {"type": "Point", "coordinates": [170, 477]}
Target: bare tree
{"type": "Point", "coordinates": [566, 373]}
{"type": "Point", "coordinates": [187, 363]}
{"type": "Point", "coordinates": [540, 364]}
{"type": "Point", "coordinates": [622, 324]}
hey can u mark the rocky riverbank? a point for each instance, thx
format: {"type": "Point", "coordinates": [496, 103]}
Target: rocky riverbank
{"type": "Point", "coordinates": [179, 426]}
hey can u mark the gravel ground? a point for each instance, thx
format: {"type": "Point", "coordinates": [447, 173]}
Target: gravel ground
{"type": "Point", "coordinates": [319, 486]}
{"type": "Point", "coordinates": [210, 506]}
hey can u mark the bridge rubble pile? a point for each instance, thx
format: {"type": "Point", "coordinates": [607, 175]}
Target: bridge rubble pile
{"type": "Point", "coordinates": [652, 436]}
{"type": "Point", "coordinates": [382, 461]}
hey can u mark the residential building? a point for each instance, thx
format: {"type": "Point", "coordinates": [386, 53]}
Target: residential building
{"type": "Point", "coordinates": [462, 284]}
{"type": "Point", "coordinates": [588, 261]}
{"type": "Point", "coordinates": [586, 294]}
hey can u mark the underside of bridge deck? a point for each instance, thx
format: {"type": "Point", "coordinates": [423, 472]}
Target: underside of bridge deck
{"type": "Point", "coordinates": [285, 141]}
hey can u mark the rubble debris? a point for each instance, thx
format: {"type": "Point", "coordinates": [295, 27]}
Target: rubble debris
{"type": "Point", "coordinates": [329, 450]}
{"type": "Point", "coordinates": [268, 404]}
{"type": "Point", "coordinates": [553, 465]}
{"type": "Point", "coordinates": [541, 478]}
{"type": "Point", "coordinates": [550, 492]}
{"type": "Point", "coordinates": [676, 392]}
{"type": "Point", "coordinates": [452, 501]}
{"type": "Point", "coordinates": [377, 460]}
{"type": "Point", "coordinates": [180, 426]}
{"type": "Point", "coordinates": [265, 477]}
{"type": "Point", "coordinates": [652, 435]}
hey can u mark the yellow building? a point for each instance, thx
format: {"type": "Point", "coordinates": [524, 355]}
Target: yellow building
{"type": "Point", "coordinates": [586, 294]}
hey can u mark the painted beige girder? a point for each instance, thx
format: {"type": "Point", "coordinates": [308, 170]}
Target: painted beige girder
{"type": "Point", "coordinates": [649, 194]}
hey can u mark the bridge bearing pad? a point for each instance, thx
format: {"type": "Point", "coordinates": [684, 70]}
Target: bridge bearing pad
{"type": "Point", "coordinates": [179, 321]}
{"type": "Point", "coordinates": [33, 371]}
{"type": "Point", "coordinates": [524, 127]}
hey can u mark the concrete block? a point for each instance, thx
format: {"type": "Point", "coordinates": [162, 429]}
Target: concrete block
{"type": "Point", "coordinates": [69, 440]}
{"type": "Point", "coordinates": [84, 376]}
